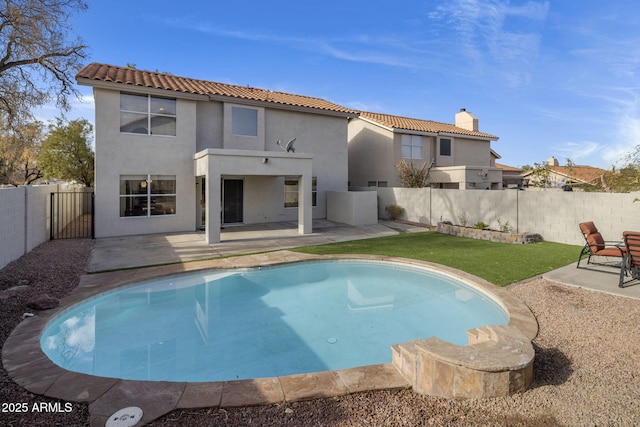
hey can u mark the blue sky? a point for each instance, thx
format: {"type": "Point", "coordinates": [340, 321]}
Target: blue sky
{"type": "Point", "coordinates": [550, 78]}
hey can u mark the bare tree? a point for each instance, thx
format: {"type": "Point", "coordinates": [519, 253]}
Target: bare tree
{"type": "Point", "coordinates": [411, 176]}
{"type": "Point", "coordinates": [39, 61]}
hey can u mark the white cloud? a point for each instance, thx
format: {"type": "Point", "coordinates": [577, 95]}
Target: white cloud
{"type": "Point", "coordinates": [578, 151]}
{"type": "Point", "coordinates": [481, 26]}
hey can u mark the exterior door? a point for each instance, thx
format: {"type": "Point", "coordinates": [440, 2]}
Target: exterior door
{"type": "Point", "coordinates": [232, 200]}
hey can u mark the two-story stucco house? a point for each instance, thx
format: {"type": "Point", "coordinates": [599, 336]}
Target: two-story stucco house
{"type": "Point", "coordinates": [460, 155]}
{"type": "Point", "coordinates": [179, 154]}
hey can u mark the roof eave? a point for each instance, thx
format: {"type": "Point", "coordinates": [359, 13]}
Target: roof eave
{"type": "Point", "coordinates": [124, 87]}
{"type": "Point", "coordinates": [280, 106]}
{"type": "Point", "coordinates": [462, 135]}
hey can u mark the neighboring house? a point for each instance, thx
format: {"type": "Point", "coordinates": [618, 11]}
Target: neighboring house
{"type": "Point", "coordinates": [461, 155]}
{"type": "Point", "coordinates": [178, 154]}
{"type": "Point", "coordinates": [565, 178]}
{"type": "Point", "coordinates": [511, 176]}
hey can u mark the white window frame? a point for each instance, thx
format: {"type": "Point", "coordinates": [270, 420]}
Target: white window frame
{"type": "Point", "coordinates": [150, 115]}
{"type": "Point", "coordinates": [145, 182]}
{"type": "Point", "coordinates": [413, 144]}
{"type": "Point", "coordinates": [292, 190]}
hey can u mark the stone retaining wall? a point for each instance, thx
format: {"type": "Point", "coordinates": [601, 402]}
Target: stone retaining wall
{"type": "Point", "coordinates": [492, 235]}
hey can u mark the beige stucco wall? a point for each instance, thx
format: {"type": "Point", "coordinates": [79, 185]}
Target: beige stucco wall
{"type": "Point", "coordinates": [371, 156]}
{"type": "Point", "coordinates": [202, 125]}
{"type": "Point", "coordinates": [374, 152]}
{"type": "Point", "coordinates": [322, 137]}
{"type": "Point", "coordinates": [123, 154]}
{"type": "Point", "coordinates": [353, 207]}
{"type": "Point", "coordinates": [468, 177]}
{"type": "Point", "coordinates": [209, 131]}
{"type": "Point", "coordinates": [471, 152]}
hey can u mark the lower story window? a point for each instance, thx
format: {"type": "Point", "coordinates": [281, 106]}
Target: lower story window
{"type": "Point", "coordinates": [376, 183]}
{"type": "Point", "coordinates": [147, 195]}
{"type": "Point", "coordinates": [291, 192]}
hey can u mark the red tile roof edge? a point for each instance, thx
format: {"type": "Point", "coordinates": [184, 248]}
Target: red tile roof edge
{"type": "Point", "coordinates": [164, 81]}
{"type": "Point", "coordinates": [420, 125]}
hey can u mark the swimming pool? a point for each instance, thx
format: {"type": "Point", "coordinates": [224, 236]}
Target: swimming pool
{"type": "Point", "coordinates": [264, 322]}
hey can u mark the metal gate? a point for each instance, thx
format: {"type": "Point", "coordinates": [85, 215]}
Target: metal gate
{"type": "Point", "coordinates": [71, 215]}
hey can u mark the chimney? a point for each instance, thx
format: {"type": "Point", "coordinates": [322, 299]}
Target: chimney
{"type": "Point", "coordinates": [466, 120]}
{"type": "Point", "coordinates": [552, 161]}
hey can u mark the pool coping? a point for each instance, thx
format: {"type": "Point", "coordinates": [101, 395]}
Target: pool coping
{"type": "Point", "coordinates": [28, 366]}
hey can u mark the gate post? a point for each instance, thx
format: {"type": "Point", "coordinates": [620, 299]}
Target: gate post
{"type": "Point", "coordinates": [93, 215]}
{"type": "Point", "coordinates": [51, 221]}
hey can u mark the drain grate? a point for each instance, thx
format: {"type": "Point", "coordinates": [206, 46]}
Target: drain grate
{"type": "Point", "coordinates": [126, 417]}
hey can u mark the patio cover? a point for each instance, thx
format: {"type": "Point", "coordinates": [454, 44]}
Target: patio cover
{"type": "Point", "coordinates": [215, 163]}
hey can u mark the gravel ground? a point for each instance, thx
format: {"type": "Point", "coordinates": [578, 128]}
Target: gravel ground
{"type": "Point", "coordinates": [586, 372]}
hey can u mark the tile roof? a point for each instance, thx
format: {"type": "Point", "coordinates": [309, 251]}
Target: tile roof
{"type": "Point", "coordinates": [586, 174]}
{"type": "Point", "coordinates": [508, 168]}
{"type": "Point", "coordinates": [405, 123]}
{"type": "Point", "coordinates": [129, 76]}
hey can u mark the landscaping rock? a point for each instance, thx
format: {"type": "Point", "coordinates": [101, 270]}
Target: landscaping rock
{"type": "Point", "coordinates": [43, 302]}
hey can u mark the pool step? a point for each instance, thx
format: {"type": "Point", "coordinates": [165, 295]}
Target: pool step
{"type": "Point", "coordinates": [497, 362]}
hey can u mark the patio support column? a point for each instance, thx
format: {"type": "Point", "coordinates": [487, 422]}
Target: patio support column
{"type": "Point", "coordinates": [212, 220]}
{"type": "Point", "coordinates": [305, 208]}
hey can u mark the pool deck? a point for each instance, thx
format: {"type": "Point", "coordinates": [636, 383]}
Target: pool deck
{"type": "Point", "coordinates": [117, 261]}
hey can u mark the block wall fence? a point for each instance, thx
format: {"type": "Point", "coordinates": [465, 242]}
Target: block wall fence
{"type": "Point", "coordinates": [25, 212]}
{"type": "Point", "coordinates": [553, 214]}
{"type": "Point", "coordinates": [24, 219]}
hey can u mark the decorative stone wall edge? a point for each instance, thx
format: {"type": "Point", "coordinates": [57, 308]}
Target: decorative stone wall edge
{"type": "Point", "coordinates": [497, 362]}
{"type": "Point", "coordinates": [491, 235]}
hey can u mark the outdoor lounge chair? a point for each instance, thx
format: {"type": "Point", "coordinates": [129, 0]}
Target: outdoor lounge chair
{"type": "Point", "coordinates": [595, 245]}
{"type": "Point", "coordinates": [631, 262]}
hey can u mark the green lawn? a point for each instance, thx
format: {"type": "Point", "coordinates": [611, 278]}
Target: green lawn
{"type": "Point", "coordinates": [498, 263]}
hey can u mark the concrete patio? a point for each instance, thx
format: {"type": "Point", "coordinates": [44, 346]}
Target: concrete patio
{"type": "Point", "coordinates": [115, 253]}
{"type": "Point", "coordinates": [596, 277]}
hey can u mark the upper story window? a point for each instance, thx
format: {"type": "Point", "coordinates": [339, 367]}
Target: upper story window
{"type": "Point", "coordinates": [147, 115]}
{"type": "Point", "coordinates": [244, 121]}
{"type": "Point", "coordinates": [411, 147]}
{"type": "Point", "coordinates": [445, 147]}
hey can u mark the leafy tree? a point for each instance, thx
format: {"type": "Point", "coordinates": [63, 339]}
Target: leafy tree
{"type": "Point", "coordinates": [411, 176]}
{"type": "Point", "coordinates": [66, 152]}
{"type": "Point", "coordinates": [37, 62]}
{"type": "Point", "coordinates": [19, 149]}
{"type": "Point", "coordinates": [540, 175]}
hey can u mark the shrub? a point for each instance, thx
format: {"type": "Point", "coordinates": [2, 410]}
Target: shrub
{"type": "Point", "coordinates": [463, 218]}
{"type": "Point", "coordinates": [481, 225]}
{"type": "Point", "coordinates": [394, 212]}
{"type": "Point", "coordinates": [506, 227]}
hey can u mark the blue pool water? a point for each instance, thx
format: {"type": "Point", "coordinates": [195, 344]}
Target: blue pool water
{"type": "Point", "coordinates": [254, 323]}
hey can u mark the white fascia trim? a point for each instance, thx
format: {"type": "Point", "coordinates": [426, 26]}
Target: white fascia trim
{"type": "Point", "coordinates": [462, 135]}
